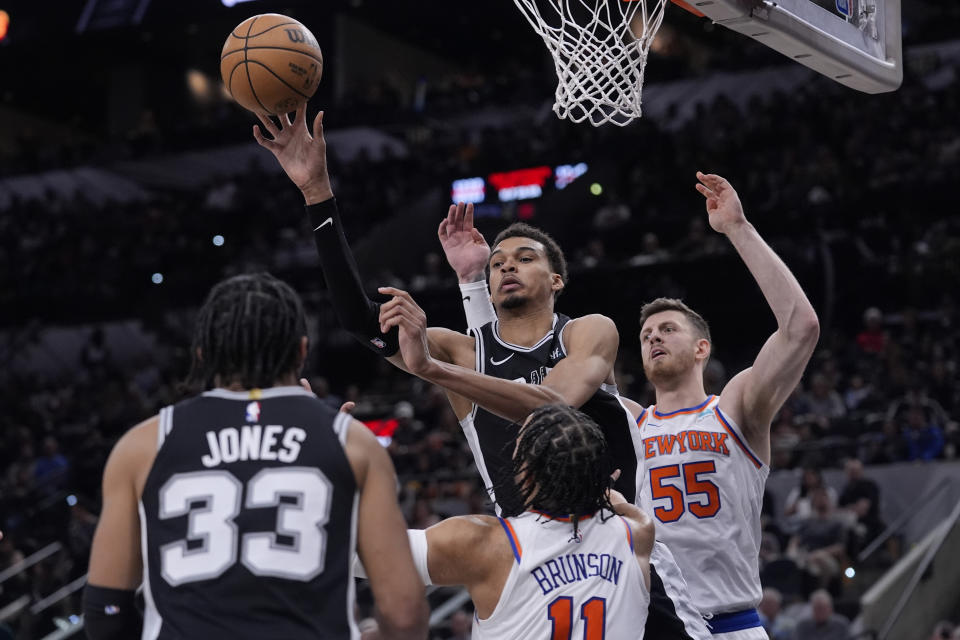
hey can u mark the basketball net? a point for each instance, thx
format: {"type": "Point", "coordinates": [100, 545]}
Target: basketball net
{"type": "Point", "coordinates": [599, 48]}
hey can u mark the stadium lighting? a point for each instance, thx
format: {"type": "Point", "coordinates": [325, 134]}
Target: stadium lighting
{"type": "Point", "coordinates": [850, 572]}
{"type": "Point", "coordinates": [218, 240]}
{"type": "Point", "coordinates": [596, 189]}
{"type": "Point", "coordinates": [230, 3]}
{"type": "Point", "coordinates": [156, 278]}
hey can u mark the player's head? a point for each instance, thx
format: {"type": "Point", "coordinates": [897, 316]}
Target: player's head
{"type": "Point", "coordinates": [526, 265]}
{"type": "Point", "coordinates": [561, 464]}
{"type": "Point", "coordinates": [250, 331]}
{"type": "Point", "coordinates": [674, 340]}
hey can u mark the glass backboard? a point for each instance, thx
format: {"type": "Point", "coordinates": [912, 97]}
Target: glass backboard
{"type": "Point", "coordinates": [855, 42]}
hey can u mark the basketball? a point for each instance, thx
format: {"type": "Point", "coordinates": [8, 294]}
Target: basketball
{"type": "Point", "coordinates": [271, 64]}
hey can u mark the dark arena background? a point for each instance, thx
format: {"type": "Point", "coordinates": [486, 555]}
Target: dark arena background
{"type": "Point", "coordinates": [130, 184]}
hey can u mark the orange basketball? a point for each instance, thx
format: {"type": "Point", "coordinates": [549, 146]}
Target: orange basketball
{"type": "Point", "coordinates": [271, 64]}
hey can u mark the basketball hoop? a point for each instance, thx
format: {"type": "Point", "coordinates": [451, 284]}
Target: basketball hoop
{"type": "Point", "coordinates": [599, 48]}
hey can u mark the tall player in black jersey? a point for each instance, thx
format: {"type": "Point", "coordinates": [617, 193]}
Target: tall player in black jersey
{"type": "Point", "coordinates": [238, 510]}
{"type": "Point", "coordinates": [530, 357]}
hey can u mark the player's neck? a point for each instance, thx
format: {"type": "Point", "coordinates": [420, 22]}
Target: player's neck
{"type": "Point", "coordinates": [683, 395]}
{"type": "Point", "coordinates": [525, 327]}
{"type": "Point", "coordinates": [287, 381]}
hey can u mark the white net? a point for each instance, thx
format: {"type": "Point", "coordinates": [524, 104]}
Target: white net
{"type": "Point", "coordinates": [599, 48]}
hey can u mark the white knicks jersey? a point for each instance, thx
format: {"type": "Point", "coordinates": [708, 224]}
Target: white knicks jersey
{"type": "Point", "coordinates": [704, 487]}
{"type": "Point", "coordinates": [562, 589]}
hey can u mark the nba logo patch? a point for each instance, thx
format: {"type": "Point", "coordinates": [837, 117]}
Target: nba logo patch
{"type": "Point", "coordinates": [253, 412]}
{"type": "Point", "coordinates": [378, 343]}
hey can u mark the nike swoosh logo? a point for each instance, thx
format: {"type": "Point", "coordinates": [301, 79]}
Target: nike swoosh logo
{"type": "Point", "coordinates": [327, 221]}
{"type": "Point", "coordinates": [496, 362]}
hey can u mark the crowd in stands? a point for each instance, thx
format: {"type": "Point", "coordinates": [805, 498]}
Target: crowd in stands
{"type": "Point", "coordinates": [882, 387]}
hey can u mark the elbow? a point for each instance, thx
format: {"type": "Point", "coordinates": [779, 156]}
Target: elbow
{"type": "Point", "coordinates": [805, 326]}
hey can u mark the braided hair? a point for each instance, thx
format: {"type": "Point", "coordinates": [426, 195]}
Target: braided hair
{"type": "Point", "coordinates": [563, 465]}
{"type": "Point", "coordinates": [248, 332]}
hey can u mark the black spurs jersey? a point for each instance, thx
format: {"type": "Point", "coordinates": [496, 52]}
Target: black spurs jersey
{"type": "Point", "coordinates": [248, 518]}
{"type": "Point", "coordinates": [489, 435]}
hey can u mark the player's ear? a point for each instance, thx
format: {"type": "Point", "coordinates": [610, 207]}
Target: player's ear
{"type": "Point", "coordinates": [557, 283]}
{"type": "Point", "coordinates": [704, 349]}
{"type": "Point", "coordinates": [304, 347]}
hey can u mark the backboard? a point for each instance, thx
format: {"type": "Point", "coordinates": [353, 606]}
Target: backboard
{"type": "Point", "coordinates": [858, 44]}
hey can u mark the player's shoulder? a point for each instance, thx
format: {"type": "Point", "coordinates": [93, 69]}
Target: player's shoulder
{"type": "Point", "coordinates": [134, 453]}
{"type": "Point", "coordinates": [481, 535]}
{"type": "Point", "coordinates": [593, 325]}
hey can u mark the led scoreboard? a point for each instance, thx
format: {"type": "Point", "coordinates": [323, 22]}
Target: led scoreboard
{"type": "Point", "coordinates": [488, 195]}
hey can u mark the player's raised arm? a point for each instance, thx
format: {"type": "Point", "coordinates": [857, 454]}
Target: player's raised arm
{"type": "Point", "coordinates": [302, 154]}
{"type": "Point", "coordinates": [115, 563]}
{"type": "Point", "coordinates": [382, 542]}
{"type": "Point", "coordinates": [757, 393]}
{"type": "Point", "coordinates": [467, 253]}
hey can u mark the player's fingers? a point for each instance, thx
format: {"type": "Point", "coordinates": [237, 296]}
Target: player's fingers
{"type": "Point", "coordinates": [451, 216]}
{"type": "Point", "coordinates": [347, 406]}
{"type": "Point", "coordinates": [263, 142]}
{"type": "Point", "coordinates": [704, 190]}
{"type": "Point", "coordinates": [317, 125]}
{"type": "Point", "coordinates": [458, 218]}
{"type": "Point", "coordinates": [477, 236]}
{"type": "Point", "coordinates": [442, 230]}
{"type": "Point", "coordinates": [393, 291]}
{"type": "Point", "coordinates": [268, 125]}
{"type": "Point", "coordinates": [468, 217]}
{"type": "Point", "coordinates": [305, 384]}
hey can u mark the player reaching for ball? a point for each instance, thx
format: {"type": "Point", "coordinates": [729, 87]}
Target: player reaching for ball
{"type": "Point", "coordinates": [704, 459]}
{"type": "Point", "coordinates": [557, 360]}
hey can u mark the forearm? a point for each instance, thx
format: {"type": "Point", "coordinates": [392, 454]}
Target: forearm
{"type": "Point", "coordinates": [476, 303]}
{"type": "Point", "coordinates": [505, 398]}
{"type": "Point", "coordinates": [356, 312]}
{"type": "Point", "coordinates": [780, 288]}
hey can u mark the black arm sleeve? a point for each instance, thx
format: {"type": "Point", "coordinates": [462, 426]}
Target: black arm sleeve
{"type": "Point", "coordinates": [110, 614]}
{"type": "Point", "coordinates": [358, 314]}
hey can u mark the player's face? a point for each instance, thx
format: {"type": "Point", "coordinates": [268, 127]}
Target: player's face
{"type": "Point", "coordinates": [520, 273]}
{"type": "Point", "coordinates": [668, 345]}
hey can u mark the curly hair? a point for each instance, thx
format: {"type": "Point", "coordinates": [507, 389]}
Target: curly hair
{"type": "Point", "coordinates": [562, 458]}
{"type": "Point", "coordinates": [248, 332]}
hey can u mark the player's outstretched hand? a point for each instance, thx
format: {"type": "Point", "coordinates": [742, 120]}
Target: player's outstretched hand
{"type": "Point", "coordinates": [403, 312]}
{"type": "Point", "coordinates": [723, 203]}
{"type": "Point", "coordinates": [303, 156]}
{"type": "Point", "coordinates": [466, 249]}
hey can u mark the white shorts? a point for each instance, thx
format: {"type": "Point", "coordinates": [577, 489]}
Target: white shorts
{"type": "Point", "coordinates": [753, 633]}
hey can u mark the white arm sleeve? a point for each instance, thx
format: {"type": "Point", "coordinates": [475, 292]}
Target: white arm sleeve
{"type": "Point", "coordinates": [418, 546]}
{"type": "Point", "coordinates": [476, 304]}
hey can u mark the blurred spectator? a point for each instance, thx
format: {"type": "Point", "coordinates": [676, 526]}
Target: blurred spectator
{"type": "Point", "coordinates": [872, 339]}
{"type": "Point", "coordinates": [799, 501]}
{"type": "Point", "coordinates": [861, 496]}
{"type": "Point", "coordinates": [859, 394]}
{"type": "Point", "coordinates": [822, 405]}
{"type": "Point", "coordinates": [819, 546]}
{"type": "Point", "coordinates": [823, 623]}
{"type": "Point", "coordinates": [924, 437]}
{"type": "Point", "coordinates": [778, 627]}
{"type": "Point", "coordinates": [51, 468]}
